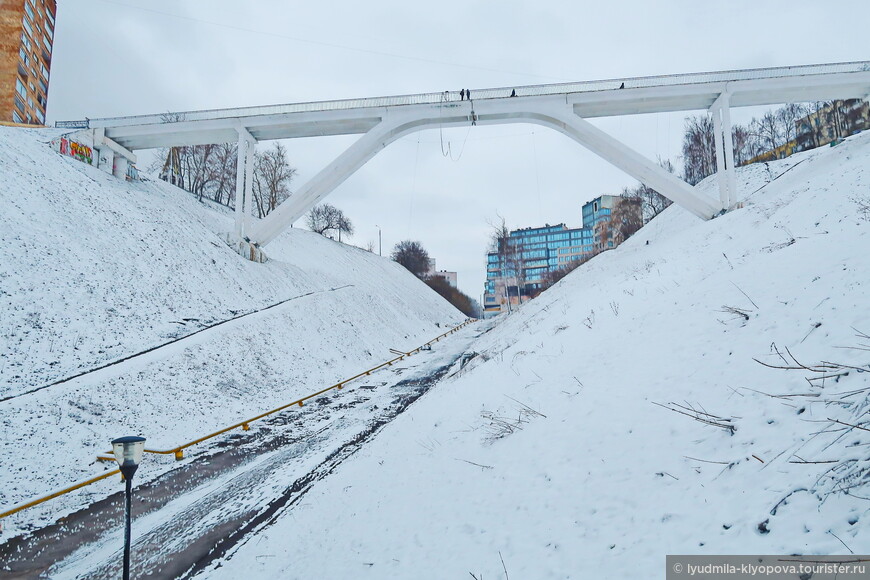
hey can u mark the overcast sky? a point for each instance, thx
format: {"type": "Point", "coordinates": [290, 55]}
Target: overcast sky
{"type": "Point", "coordinates": [130, 57]}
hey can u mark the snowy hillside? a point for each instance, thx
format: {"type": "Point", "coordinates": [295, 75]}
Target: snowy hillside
{"type": "Point", "coordinates": [621, 417]}
{"type": "Point", "coordinates": [93, 270]}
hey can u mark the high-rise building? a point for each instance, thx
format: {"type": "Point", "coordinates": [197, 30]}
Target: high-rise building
{"type": "Point", "coordinates": [520, 268]}
{"type": "Point", "coordinates": [26, 37]}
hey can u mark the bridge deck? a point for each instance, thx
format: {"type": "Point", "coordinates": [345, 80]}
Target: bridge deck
{"type": "Point", "coordinates": [599, 98]}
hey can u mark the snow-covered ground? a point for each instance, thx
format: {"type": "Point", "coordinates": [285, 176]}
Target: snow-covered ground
{"type": "Point", "coordinates": [93, 269]}
{"type": "Point", "coordinates": [577, 443]}
{"type": "Point", "coordinates": [574, 445]}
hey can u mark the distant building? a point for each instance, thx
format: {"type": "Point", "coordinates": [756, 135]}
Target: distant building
{"type": "Point", "coordinates": [835, 120]}
{"type": "Point", "coordinates": [827, 123]}
{"type": "Point", "coordinates": [780, 152]}
{"type": "Point", "coordinates": [451, 277]}
{"type": "Point", "coordinates": [520, 269]}
{"type": "Point", "coordinates": [26, 37]}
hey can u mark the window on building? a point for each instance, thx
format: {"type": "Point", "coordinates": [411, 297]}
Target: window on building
{"type": "Point", "coordinates": [22, 71]}
{"type": "Point", "coordinates": [47, 43]}
{"type": "Point", "coordinates": [19, 86]}
{"type": "Point", "coordinates": [43, 70]}
{"type": "Point", "coordinates": [39, 116]}
{"type": "Point", "coordinates": [49, 18]}
{"type": "Point", "coordinates": [43, 86]}
{"type": "Point", "coordinates": [29, 10]}
{"type": "Point", "coordinates": [25, 41]}
{"type": "Point", "coordinates": [27, 26]}
{"type": "Point", "coordinates": [19, 104]}
{"type": "Point", "coordinates": [25, 58]}
{"type": "Point", "coordinates": [16, 118]}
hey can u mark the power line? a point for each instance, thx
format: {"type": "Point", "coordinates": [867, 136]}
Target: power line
{"type": "Point", "coordinates": [335, 45]}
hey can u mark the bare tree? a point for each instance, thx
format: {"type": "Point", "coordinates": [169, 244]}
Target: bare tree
{"type": "Point", "coordinates": [626, 218]}
{"type": "Point", "coordinates": [510, 258]}
{"type": "Point", "coordinates": [325, 217]}
{"type": "Point", "coordinates": [197, 168]}
{"type": "Point", "coordinates": [272, 177]}
{"type": "Point", "coordinates": [699, 148]}
{"type": "Point", "coordinates": [788, 115]}
{"type": "Point", "coordinates": [769, 131]}
{"type": "Point", "coordinates": [204, 170]}
{"type": "Point", "coordinates": [652, 202]}
{"type": "Point", "coordinates": [745, 144]}
{"type": "Point", "coordinates": [412, 256]}
{"type": "Point", "coordinates": [223, 180]}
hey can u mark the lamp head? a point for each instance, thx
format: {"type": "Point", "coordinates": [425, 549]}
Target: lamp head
{"type": "Point", "coordinates": [128, 453]}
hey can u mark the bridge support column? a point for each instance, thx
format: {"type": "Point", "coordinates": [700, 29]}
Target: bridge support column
{"type": "Point", "coordinates": [244, 181]}
{"type": "Point", "coordinates": [239, 239]}
{"type": "Point", "coordinates": [724, 142]}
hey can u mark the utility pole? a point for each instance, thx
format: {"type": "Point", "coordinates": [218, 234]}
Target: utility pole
{"type": "Point", "coordinates": [380, 248]}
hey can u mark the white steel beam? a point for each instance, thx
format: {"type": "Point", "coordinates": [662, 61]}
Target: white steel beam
{"type": "Point", "coordinates": [249, 182]}
{"type": "Point", "coordinates": [730, 172]}
{"type": "Point", "coordinates": [396, 125]}
{"type": "Point", "coordinates": [633, 163]}
{"type": "Point", "coordinates": [724, 142]}
{"type": "Point", "coordinates": [244, 170]}
{"type": "Point", "coordinates": [324, 182]}
{"type": "Point", "coordinates": [719, 149]}
{"type": "Point", "coordinates": [240, 187]}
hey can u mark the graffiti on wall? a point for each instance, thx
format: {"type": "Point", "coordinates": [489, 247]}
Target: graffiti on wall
{"type": "Point", "coordinates": [77, 150]}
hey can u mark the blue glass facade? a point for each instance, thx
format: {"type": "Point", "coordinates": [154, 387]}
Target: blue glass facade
{"type": "Point", "coordinates": [534, 252]}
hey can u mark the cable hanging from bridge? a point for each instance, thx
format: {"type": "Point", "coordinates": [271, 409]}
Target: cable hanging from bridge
{"type": "Point", "coordinates": [445, 96]}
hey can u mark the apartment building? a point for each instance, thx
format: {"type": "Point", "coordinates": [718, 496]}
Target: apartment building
{"type": "Point", "coordinates": [26, 38]}
{"type": "Point", "coordinates": [830, 121]}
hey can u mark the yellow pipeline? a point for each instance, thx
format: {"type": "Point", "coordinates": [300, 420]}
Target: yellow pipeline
{"type": "Point", "coordinates": [38, 501]}
{"type": "Point", "coordinates": [245, 425]}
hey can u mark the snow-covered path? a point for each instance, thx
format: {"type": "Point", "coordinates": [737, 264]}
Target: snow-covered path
{"type": "Point", "coordinates": [193, 514]}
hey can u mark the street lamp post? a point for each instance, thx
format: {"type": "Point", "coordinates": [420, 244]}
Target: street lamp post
{"type": "Point", "coordinates": [128, 454]}
{"type": "Point", "coordinates": [380, 249]}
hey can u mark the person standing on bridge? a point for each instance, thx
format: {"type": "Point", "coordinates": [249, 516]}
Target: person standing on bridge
{"type": "Point", "coordinates": [462, 95]}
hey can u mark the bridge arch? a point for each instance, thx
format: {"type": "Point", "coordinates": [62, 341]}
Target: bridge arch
{"type": "Point", "coordinates": [565, 108]}
{"type": "Point", "coordinates": [395, 126]}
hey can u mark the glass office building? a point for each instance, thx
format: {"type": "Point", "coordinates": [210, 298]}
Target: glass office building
{"type": "Point", "coordinates": [519, 271]}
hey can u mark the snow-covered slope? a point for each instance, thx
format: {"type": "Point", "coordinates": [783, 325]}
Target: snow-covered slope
{"type": "Point", "coordinates": [93, 269]}
{"type": "Point", "coordinates": [578, 443]}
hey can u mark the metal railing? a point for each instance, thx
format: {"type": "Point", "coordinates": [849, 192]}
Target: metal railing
{"type": "Point", "coordinates": [477, 94]}
{"type": "Point", "coordinates": [245, 425]}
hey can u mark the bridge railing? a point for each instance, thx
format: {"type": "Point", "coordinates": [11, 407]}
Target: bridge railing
{"type": "Point", "coordinates": [476, 94]}
{"type": "Point", "coordinates": [245, 425]}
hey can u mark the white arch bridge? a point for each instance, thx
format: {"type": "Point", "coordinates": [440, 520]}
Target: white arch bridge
{"type": "Point", "coordinates": [562, 107]}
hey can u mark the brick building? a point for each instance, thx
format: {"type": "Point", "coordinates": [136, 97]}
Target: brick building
{"type": "Point", "coordinates": [26, 37]}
